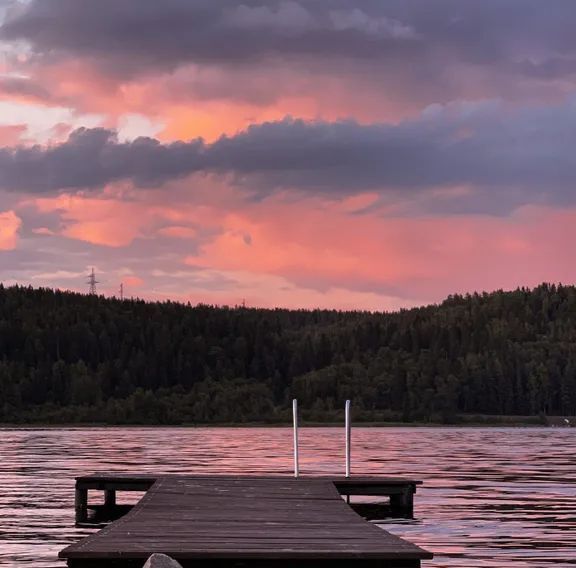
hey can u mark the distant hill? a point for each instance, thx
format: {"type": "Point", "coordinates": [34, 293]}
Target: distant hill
{"type": "Point", "coordinates": [68, 357]}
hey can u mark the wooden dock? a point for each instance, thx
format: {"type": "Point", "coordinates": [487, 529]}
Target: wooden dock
{"type": "Point", "coordinates": [241, 521]}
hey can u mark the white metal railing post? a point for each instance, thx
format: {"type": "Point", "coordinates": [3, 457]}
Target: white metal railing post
{"type": "Point", "coordinates": [348, 437]}
{"type": "Point", "coordinates": [295, 415]}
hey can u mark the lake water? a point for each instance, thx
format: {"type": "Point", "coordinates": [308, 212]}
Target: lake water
{"type": "Point", "coordinates": [492, 497]}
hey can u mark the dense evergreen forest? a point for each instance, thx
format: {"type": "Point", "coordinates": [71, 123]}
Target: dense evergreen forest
{"type": "Point", "coordinates": [68, 357]}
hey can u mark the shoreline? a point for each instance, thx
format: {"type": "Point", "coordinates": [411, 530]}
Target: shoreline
{"type": "Point", "coordinates": [304, 424]}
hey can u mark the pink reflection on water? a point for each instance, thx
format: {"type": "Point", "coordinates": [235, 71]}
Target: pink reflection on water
{"type": "Point", "coordinates": [492, 497]}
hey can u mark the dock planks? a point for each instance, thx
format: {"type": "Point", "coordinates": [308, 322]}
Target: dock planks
{"type": "Point", "coordinates": [229, 521]}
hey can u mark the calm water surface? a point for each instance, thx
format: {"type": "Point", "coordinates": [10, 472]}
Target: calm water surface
{"type": "Point", "coordinates": [492, 497]}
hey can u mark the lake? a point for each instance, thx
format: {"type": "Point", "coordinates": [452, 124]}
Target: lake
{"type": "Point", "coordinates": [491, 497]}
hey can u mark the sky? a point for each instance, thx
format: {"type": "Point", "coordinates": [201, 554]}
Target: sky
{"type": "Point", "coordinates": [349, 154]}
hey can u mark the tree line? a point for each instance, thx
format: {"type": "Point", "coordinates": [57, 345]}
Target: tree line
{"type": "Point", "coordinates": [71, 358]}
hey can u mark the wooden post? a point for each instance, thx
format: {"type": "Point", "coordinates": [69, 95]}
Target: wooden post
{"type": "Point", "coordinates": [81, 504]}
{"type": "Point", "coordinates": [402, 504]}
{"type": "Point", "coordinates": [109, 498]}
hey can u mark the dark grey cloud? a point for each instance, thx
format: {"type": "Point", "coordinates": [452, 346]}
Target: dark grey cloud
{"type": "Point", "coordinates": [499, 151]}
{"type": "Point", "coordinates": [25, 88]}
{"type": "Point", "coordinates": [91, 158]}
{"type": "Point", "coordinates": [136, 36]}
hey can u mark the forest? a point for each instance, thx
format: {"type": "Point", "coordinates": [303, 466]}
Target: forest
{"type": "Point", "coordinates": [73, 358]}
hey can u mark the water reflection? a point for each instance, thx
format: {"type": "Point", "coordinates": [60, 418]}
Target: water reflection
{"type": "Point", "coordinates": [492, 497]}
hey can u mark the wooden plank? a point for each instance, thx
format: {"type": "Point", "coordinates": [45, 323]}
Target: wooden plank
{"type": "Point", "coordinates": [254, 563]}
{"type": "Point", "coordinates": [338, 480]}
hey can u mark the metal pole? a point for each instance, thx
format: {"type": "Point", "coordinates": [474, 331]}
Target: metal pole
{"type": "Point", "coordinates": [348, 437]}
{"type": "Point", "coordinates": [295, 415]}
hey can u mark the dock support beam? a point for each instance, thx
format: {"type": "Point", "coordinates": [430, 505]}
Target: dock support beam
{"type": "Point", "coordinates": [109, 498]}
{"type": "Point", "coordinates": [402, 504]}
{"type": "Point", "coordinates": [81, 504]}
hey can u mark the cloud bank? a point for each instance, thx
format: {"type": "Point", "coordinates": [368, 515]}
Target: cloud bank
{"type": "Point", "coordinates": [399, 50]}
{"type": "Point", "coordinates": [176, 31]}
{"type": "Point", "coordinates": [485, 146]}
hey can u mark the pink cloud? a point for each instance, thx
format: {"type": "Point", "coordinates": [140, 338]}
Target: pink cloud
{"type": "Point", "coordinates": [268, 291]}
{"type": "Point", "coordinates": [120, 215]}
{"type": "Point", "coordinates": [10, 135]}
{"type": "Point", "coordinates": [178, 232]}
{"type": "Point", "coordinates": [316, 252]}
{"type": "Point", "coordinates": [203, 100]}
{"type": "Point", "coordinates": [426, 258]}
{"type": "Point", "coordinates": [10, 225]}
{"type": "Point", "coordinates": [108, 222]}
{"type": "Point", "coordinates": [45, 231]}
{"type": "Point", "coordinates": [132, 281]}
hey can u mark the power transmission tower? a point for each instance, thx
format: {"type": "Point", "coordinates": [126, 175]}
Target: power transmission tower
{"type": "Point", "coordinates": [121, 290]}
{"type": "Point", "coordinates": [92, 283]}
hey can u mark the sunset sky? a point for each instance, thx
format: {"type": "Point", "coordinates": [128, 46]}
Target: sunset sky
{"type": "Point", "coordinates": [366, 154]}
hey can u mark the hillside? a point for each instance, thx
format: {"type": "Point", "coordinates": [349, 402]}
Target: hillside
{"type": "Point", "coordinates": [67, 357]}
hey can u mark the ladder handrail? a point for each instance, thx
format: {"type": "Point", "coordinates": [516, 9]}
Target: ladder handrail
{"type": "Point", "coordinates": [347, 435]}
{"type": "Point", "coordinates": [295, 419]}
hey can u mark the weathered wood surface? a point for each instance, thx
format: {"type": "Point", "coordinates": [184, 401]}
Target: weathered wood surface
{"type": "Point", "coordinates": [399, 490]}
{"type": "Point", "coordinates": [253, 520]}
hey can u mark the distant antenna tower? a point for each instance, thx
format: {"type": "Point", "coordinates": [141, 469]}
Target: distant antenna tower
{"type": "Point", "coordinates": [121, 290]}
{"type": "Point", "coordinates": [92, 283]}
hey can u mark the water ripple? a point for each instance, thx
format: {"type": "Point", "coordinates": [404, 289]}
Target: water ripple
{"type": "Point", "coordinates": [492, 497]}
